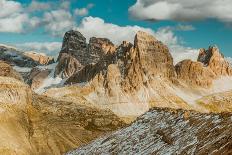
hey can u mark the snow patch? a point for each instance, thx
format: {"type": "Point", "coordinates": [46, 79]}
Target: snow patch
{"type": "Point", "coordinates": [22, 69]}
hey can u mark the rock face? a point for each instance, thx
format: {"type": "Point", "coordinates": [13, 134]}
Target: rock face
{"type": "Point", "coordinates": [42, 59]}
{"type": "Point", "coordinates": [137, 64]}
{"type": "Point", "coordinates": [60, 126]}
{"type": "Point", "coordinates": [133, 77]}
{"type": "Point", "coordinates": [23, 59]}
{"type": "Point", "coordinates": [210, 66]}
{"type": "Point", "coordinates": [76, 53]}
{"type": "Point", "coordinates": [167, 131]}
{"type": "Point", "coordinates": [7, 71]}
{"type": "Point", "coordinates": [37, 77]}
{"type": "Point", "coordinates": [194, 73]}
{"type": "Point", "coordinates": [33, 124]}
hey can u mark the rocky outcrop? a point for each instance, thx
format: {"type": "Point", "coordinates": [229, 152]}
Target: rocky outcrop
{"type": "Point", "coordinates": [137, 64]}
{"type": "Point", "coordinates": [16, 57]}
{"type": "Point", "coordinates": [213, 59]}
{"type": "Point", "coordinates": [76, 53]}
{"type": "Point", "coordinates": [134, 77]}
{"type": "Point", "coordinates": [42, 59]}
{"type": "Point", "coordinates": [33, 124]}
{"type": "Point", "coordinates": [7, 71]}
{"type": "Point", "coordinates": [15, 97]}
{"type": "Point", "coordinates": [37, 77]}
{"type": "Point", "coordinates": [210, 66]}
{"type": "Point", "coordinates": [60, 126]}
{"type": "Point", "coordinates": [67, 66]}
{"type": "Point", "coordinates": [194, 73]}
{"type": "Point", "coordinates": [168, 131]}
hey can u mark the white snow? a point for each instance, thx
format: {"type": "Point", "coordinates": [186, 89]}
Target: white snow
{"type": "Point", "coordinates": [22, 69]}
{"type": "Point", "coordinates": [50, 80]}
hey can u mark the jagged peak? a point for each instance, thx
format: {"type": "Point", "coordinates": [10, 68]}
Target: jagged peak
{"type": "Point", "coordinates": [205, 55]}
{"type": "Point", "coordinates": [143, 36]}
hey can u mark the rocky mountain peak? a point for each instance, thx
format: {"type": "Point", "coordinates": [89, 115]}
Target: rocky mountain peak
{"type": "Point", "coordinates": [210, 65]}
{"type": "Point", "coordinates": [76, 53]}
{"type": "Point", "coordinates": [154, 55]}
{"type": "Point", "coordinates": [73, 42]}
{"type": "Point", "coordinates": [205, 55]}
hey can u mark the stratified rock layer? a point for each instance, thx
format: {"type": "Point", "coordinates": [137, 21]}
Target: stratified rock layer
{"type": "Point", "coordinates": [167, 131]}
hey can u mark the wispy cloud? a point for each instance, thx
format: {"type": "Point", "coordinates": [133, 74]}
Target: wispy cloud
{"type": "Point", "coordinates": [50, 48]}
{"type": "Point", "coordinates": [83, 11]}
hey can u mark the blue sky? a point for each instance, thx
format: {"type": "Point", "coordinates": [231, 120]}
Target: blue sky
{"type": "Point", "coordinates": [190, 31]}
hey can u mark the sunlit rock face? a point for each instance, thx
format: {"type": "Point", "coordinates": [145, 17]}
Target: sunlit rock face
{"type": "Point", "coordinates": [76, 53]}
{"type": "Point", "coordinates": [132, 79]}
{"type": "Point", "coordinates": [23, 59]}
{"type": "Point", "coordinates": [34, 124]}
{"type": "Point", "coordinates": [167, 131]}
{"type": "Point", "coordinates": [210, 66]}
{"type": "Point", "coordinates": [7, 71]}
{"type": "Point", "coordinates": [42, 59]}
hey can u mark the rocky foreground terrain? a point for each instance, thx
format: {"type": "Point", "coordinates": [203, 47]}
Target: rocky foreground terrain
{"type": "Point", "coordinates": [168, 131]}
{"type": "Point", "coordinates": [96, 88]}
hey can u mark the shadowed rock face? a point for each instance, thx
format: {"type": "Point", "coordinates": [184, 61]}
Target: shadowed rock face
{"type": "Point", "coordinates": [136, 64]}
{"type": "Point", "coordinates": [76, 53]}
{"type": "Point", "coordinates": [167, 131]}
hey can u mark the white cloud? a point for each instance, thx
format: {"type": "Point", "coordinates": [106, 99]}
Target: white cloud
{"type": "Point", "coordinates": [50, 48]}
{"type": "Point", "coordinates": [182, 10]}
{"type": "Point", "coordinates": [9, 7]}
{"type": "Point", "coordinates": [185, 27]}
{"type": "Point", "coordinates": [11, 16]}
{"type": "Point", "coordinates": [83, 11]}
{"type": "Point", "coordinates": [57, 22]}
{"type": "Point", "coordinates": [14, 19]}
{"type": "Point", "coordinates": [65, 5]}
{"type": "Point", "coordinates": [14, 23]}
{"type": "Point", "coordinates": [93, 26]}
{"type": "Point", "coordinates": [38, 6]}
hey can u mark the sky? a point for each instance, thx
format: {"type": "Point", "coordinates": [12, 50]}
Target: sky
{"type": "Point", "coordinates": [184, 25]}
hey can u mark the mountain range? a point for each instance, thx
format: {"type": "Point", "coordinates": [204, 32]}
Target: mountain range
{"type": "Point", "coordinates": [129, 98]}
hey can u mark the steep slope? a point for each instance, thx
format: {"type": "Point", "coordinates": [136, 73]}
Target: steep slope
{"type": "Point", "coordinates": [15, 97]}
{"type": "Point", "coordinates": [76, 53]}
{"type": "Point", "coordinates": [7, 71]}
{"type": "Point", "coordinates": [58, 126]}
{"type": "Point", "coordinates": [210, 66]}
{"type": "Point", "coordinates": [168, 131]}
{"type": "Point", "coordinates": [33, 124]}
{"type": "Point", "coordinates": [130, 80]}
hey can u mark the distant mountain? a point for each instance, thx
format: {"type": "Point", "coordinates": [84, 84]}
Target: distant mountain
{"type": "Point", "coordinates": [23, 59]}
